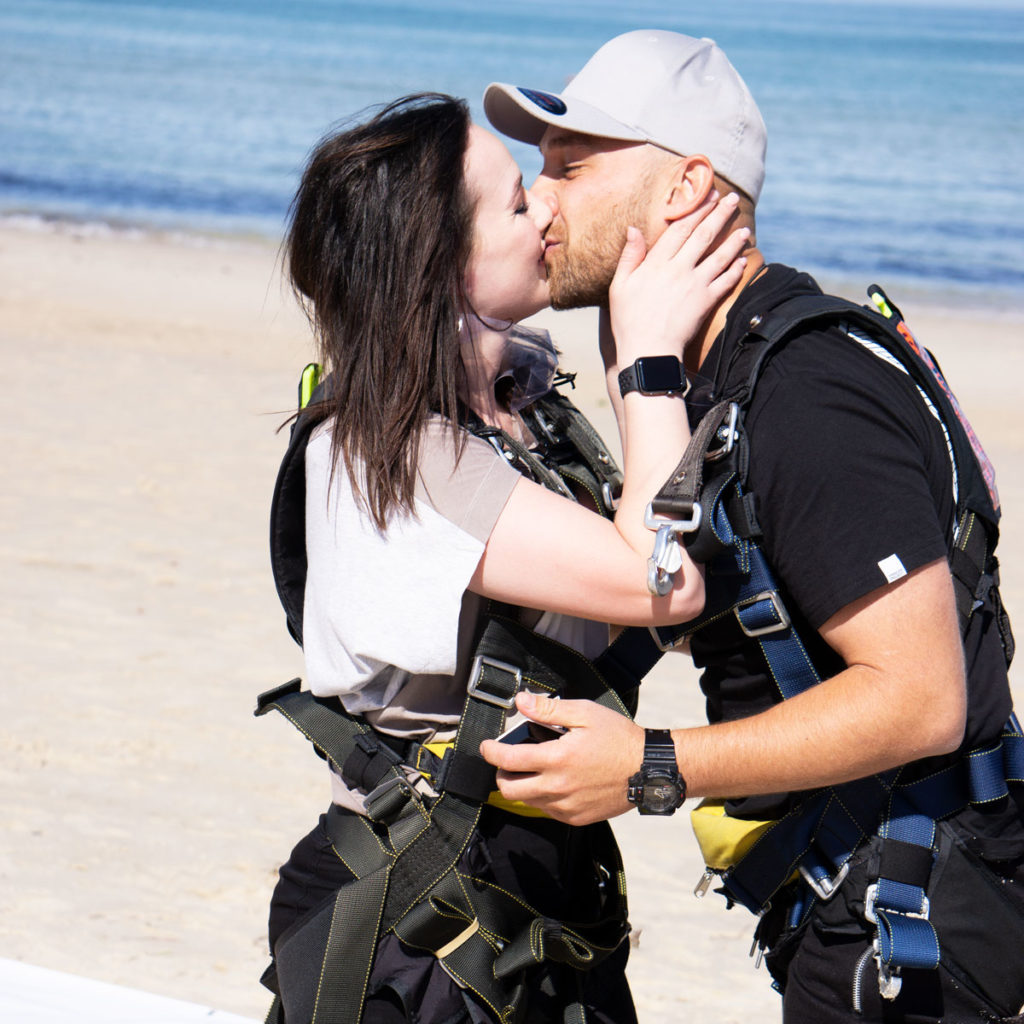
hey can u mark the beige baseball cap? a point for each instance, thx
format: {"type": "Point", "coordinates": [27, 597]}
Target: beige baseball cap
{"type": "Point", "coordinates": [674, 91]}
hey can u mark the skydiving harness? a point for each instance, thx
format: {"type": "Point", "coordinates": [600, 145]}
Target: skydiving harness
{"type": "Point", "coordinates": [405, 852]}
{"type": "Point", "coordinates": [706, 503]}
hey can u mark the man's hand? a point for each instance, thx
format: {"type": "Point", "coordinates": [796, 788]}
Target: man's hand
{"type": "Point", "coordinates": [579, 778]}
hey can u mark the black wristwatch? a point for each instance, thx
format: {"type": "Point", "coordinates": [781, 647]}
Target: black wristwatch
{"type": "Point", "coordinates": [657, 788]}
{"type": "Point", "coordinates": [654, 375]}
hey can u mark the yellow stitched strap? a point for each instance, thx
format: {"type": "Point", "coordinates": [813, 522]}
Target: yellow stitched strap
{"type": "Point", "coordinates": [723, 841]}
{"type": "Point", "coordinates": [495, 799]}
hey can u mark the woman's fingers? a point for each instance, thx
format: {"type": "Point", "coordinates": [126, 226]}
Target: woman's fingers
{"type": "Point", "coordinates": [723, 255]}
{"type": "Point", "coordinates": [632, 255]}
{"type": "Point", "coordinates": [692, 236]}
{"type": "Point", "coordinates": [659, 298]}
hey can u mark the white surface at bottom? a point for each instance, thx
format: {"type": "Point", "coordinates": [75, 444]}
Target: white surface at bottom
{"type": "Point", "coordinates": [36, 995]}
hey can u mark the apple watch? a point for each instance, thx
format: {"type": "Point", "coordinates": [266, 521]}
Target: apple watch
{"type": "Point", "coordinates": [658, 788]}
{"type": "Point", "coordinates": [654, 375]}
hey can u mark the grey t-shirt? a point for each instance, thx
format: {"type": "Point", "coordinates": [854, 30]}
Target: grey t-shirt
{"type": "Point", "coordinates": [388, 624]}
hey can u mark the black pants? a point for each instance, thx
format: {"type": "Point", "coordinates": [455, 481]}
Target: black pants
{"type": "Point", "coordinates": [545, 863]}
{"type": "Point", "coordinates": [976, 892]}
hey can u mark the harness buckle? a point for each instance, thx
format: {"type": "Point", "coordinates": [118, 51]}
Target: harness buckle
{"type": "Point", "coordinates": [388, 798]}
{"type": "Point", "coordinates": [666, 559]}
{"type": "Point", "coordinates": [825, 888]}
{"type": "Point", "coordinates": [871, 897]}
{"type": "Point", "coordinates": [610, 500]}
{"type": "Point", "coordinates": [652, 522]}
{"type": "Point", "coordinates": [546, 426]}
{"type": "Point", "coordinates": [728, 435]}
{"type": "Point", "coordinates": [777, 606]}
{"type": "Point", "coordinates": [476, 678]}
{"type": "Point", "coordinates": [671, 643]}
{"type": "Point", "coordinates": [889, 980]}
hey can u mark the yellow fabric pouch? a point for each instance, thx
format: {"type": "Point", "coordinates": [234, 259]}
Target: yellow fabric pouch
{"type": "Point", "coordinates": [724, 841]}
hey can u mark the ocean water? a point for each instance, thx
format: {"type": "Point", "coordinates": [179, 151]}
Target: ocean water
{"type": "Point", "coordinates": [896, 131]}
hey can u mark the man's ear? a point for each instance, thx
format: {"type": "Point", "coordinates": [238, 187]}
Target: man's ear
{"type": "Point", "coordinates": [692, 180]}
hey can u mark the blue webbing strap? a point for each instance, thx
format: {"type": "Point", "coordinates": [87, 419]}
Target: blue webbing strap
{"type": "Point", "coordinates": [993, 766]}
{"type": "Point", "coordinates": [752, 595]}
{"type": "Point", "coordinates": [831, 823]}
{"type": "Point", "coordinates": [763, 616]}
{"type": "Point", "coordinates": [823, 831]}
{"type": "Point", "coordinates": [899, 909]}
{"type": "Point", "coordinates": [1013, 750]}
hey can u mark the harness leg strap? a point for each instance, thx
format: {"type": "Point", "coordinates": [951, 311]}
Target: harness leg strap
{"type": "Point", "coordinates": [897, 905]}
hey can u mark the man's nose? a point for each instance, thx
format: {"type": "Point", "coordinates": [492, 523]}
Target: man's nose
{"type": "Point", "coordinates": [544, 188]}
{"type": "Point", "coordinates": [544, 200]}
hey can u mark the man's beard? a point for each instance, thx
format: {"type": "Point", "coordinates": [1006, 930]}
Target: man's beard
{"type": "Point", "coordinates": [580, 272]}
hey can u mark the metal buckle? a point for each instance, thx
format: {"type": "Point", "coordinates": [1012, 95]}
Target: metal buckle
{"type": "Point", "coordinates": [547, 428]}
{"type": "Point", "coordinates": [871, 896]}
{"type": "Point", "coordinates": [889, 980]}
{"type": "Point", "coordinates": [674, 525]}
{"type": "Point", "coordinates": [377, 809]}
{"type": "Point", "coordinates": [777, 604]}
{"type": "Point", "coordinates": [476, 673]}
{"type": "Point", "coordinates": [825, 888]}
{"type": "Point", "coordinates": [729, 441]}
{"type": "Point", "coordinates": [667, 645]}
{"type": "Point", "coordinates": [667, 559]}
{"type": "Point", "coordinates": [607, 497]}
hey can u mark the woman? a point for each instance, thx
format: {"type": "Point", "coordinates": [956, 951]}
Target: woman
{"type": "Point", "coordinates": [434, 492]}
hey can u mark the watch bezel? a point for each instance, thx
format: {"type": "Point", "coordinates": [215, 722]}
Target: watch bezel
{"type": "Point", "coordinates": [658, 769]}
{"type": "Point", "coordinates": [661, 779]}
{"type": "Point", "coordinates": [659, 375]}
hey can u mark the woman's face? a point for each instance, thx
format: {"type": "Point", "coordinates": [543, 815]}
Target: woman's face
{"type": "Point", "coordinates": [506, 278]}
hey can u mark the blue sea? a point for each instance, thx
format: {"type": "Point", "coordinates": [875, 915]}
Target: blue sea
{"type": "Point", "coordinates": [896, 131]}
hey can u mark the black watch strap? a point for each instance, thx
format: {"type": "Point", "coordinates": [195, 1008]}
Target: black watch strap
{"type": "Point", "coordinates": [654, 375]}
{"type": "Point", "coordinates": [659, 748]}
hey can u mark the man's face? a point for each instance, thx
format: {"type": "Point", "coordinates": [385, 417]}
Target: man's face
{"type": "Point", "coordinates": [599, 187]}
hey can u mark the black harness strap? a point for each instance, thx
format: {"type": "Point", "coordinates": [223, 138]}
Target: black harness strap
{"type": "Point", "coordinates": [405, 852]}
{"type": "Point", "coordinates": [408, 877]}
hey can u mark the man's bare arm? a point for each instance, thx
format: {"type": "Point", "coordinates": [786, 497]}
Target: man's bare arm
{"type": "Point", "coordinates": [902, 697]}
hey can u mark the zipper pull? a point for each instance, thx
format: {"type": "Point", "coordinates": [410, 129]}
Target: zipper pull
{"type": "Point", "coordinates": [702, 886]}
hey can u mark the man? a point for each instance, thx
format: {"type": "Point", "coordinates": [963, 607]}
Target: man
{"type": "Point", "coordinates": [855, 503]}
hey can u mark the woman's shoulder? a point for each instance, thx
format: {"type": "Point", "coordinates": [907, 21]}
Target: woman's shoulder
{"type": "Point", "coordinates": [459, 476]}
{"type": "Point", "coordinates": [467, 487]}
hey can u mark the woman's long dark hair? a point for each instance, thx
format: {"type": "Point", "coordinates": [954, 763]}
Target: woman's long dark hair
{"type": "Point", "coordinates": [379, 236]}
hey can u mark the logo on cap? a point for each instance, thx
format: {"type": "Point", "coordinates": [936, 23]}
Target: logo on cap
{"type": "Point", "coordinates": [544, 100]}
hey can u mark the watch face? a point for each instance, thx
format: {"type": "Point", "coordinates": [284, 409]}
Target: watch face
{"type": "Point", "coordinates": [660, 793]}
{"type": "Point", "coordinates": [659, 373]}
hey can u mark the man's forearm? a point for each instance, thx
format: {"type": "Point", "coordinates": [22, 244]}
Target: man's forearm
{"type": "Point", "coordinates": [848, 727]}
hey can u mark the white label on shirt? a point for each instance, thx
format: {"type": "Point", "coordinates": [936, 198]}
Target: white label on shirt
{"type": "Point", "coordinates": [892, 568]}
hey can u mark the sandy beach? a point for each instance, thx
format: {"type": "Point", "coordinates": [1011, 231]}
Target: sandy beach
{"type": "Point", "coordinates": [145, 810]}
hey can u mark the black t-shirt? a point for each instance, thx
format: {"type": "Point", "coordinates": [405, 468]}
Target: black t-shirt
{"type": "Point", "coordinates": [854, 488]}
